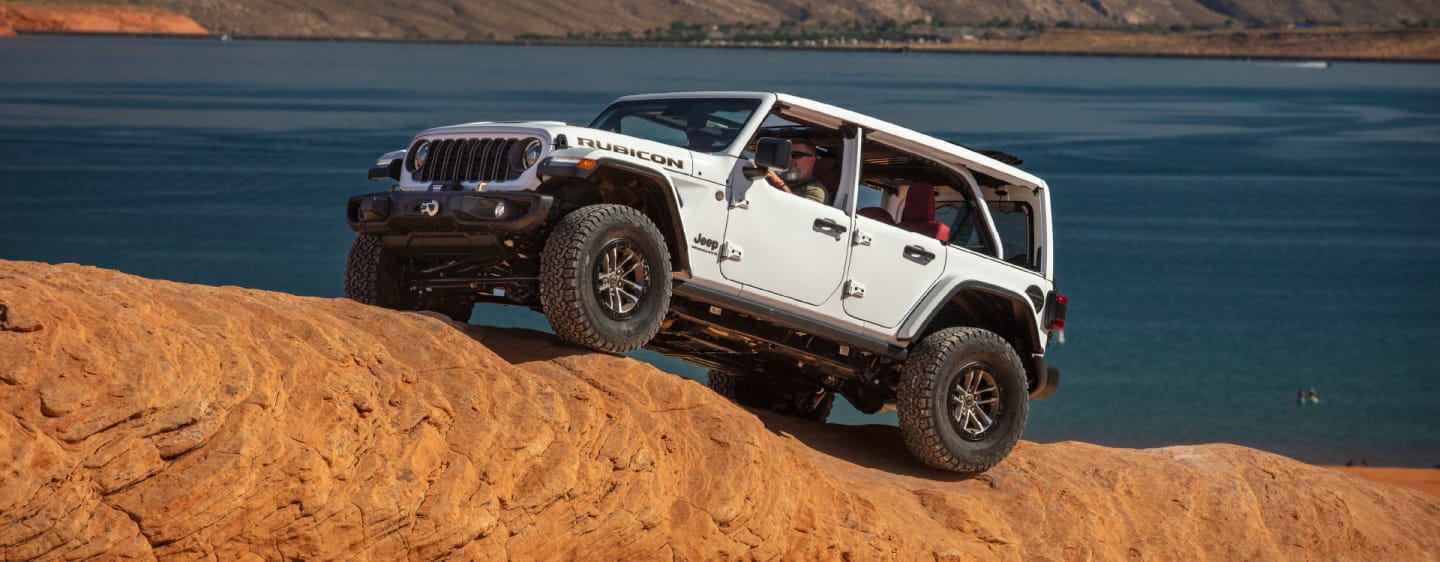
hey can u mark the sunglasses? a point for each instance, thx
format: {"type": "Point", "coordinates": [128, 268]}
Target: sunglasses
{"type": "Point", "coordinates": [798, 154]}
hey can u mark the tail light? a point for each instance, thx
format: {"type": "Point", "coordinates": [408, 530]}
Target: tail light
{"type": "Point", "coordinates": [1057, 314]}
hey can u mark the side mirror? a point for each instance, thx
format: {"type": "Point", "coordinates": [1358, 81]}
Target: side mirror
{"type": "Point", "coordinates": [772, 153]}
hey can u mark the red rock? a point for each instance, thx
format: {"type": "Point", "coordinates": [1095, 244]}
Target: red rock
{"type": "Point", "coordinates": [93, 18]}
{"type": "Point", "coordinates": [151, 418]}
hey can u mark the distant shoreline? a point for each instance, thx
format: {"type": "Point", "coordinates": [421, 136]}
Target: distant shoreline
{"type": "Point", "coordinates": [990, 48]}
{"type": "Point", "coordinates": [1423, 479]}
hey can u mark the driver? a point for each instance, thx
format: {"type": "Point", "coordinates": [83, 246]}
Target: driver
{"type": "Point", "coordinates": [799, 178]}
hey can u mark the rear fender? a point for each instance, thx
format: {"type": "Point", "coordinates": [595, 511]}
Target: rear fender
{"type": "Point", "coordinates": [956, 302]}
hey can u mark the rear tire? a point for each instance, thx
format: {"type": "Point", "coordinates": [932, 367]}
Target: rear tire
{"type": "Point", "coordinates": [746, 391]}
{"type": "Point", "coordinates": [962, 400]}
{"type": "Point", "coordinates": [605, 278]}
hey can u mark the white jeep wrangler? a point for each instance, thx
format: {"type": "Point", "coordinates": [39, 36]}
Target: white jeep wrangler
{"type": "Point", "coordinates": [925, 283]}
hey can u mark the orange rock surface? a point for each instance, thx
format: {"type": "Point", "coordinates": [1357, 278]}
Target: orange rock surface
{"type": "Point", "coordinates": [1424, 479]}
{"type": "Point", "coordinates": [149, 418]}
{"type": "Point", "coordinates": [93, 18]}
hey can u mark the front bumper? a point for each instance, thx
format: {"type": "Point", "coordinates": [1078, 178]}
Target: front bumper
{"type": "Point", "coordinates": [404, 212]}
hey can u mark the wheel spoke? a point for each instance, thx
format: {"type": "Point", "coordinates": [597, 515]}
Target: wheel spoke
{"type": "Point", "coordinates": [633, 285]}
{"type": "Point", "coordinates": [607, 262]}
{"type": "Point", "coordinates": [984, 419]}
{"type": "Point", "coordinates": [987, 401]}
{"type": "Point", "coordinates": [623, 261]}
{"type": "Point", "coordinates": [987, 390]}
{"type": "Point", "coordinates": [970, 417]}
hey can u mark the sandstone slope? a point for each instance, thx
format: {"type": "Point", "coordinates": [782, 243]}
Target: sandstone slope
{"type": "Point", "coordinates": [93, 18]}
{"type": "Point", "coordinates": [148, 418]}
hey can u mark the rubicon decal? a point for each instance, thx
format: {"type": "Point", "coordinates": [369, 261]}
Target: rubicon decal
{"type": "Point", "coordinates": [641, 154]}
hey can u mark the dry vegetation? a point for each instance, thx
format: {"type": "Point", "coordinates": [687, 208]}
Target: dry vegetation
{"type": "Point", "coordinates": [1376, 29]}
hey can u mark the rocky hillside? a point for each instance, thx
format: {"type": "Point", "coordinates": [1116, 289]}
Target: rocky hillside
{"type": "Point", "coordinates": [92, 18]}
{"type": "Point", "coordinates": [504, 19]}
{"type": "Point", "coordinates": [148, 418]}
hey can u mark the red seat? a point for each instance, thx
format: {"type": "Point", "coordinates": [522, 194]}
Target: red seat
{"type": "Point", "coordinates": [919, 212]}
{"type": "Point", "coordinates": [877, 213]}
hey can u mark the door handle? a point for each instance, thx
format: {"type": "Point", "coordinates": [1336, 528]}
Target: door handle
{"type": "Point", "coordinates": [916, 251]}
{"type": "Point", "coordinates": [830, 226]}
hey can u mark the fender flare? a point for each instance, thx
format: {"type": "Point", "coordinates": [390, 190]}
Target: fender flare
{"type": "Point", "coordinates": [1043, 378]}
{"type": "Point", "coordinates": [945, 290]}
{"type": "Point", "coordinates": [675, 227]}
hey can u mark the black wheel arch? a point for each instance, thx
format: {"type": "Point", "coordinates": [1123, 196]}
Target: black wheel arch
{"type": "Point", "coordinates": [982, 305]}
{"type": "Point", "coordinates": [625, 183]}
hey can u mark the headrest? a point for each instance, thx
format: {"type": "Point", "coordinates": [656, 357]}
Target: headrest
{"type": "Point", "coordinates": [919, 202]}
{"type": "Point", "coordinates": [877, 213]}
{"type": "Point", "coordinates": [827, 170]}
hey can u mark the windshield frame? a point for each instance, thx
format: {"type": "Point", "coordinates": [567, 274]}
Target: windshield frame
{"type": "Point", "coordinates": [738, 132]}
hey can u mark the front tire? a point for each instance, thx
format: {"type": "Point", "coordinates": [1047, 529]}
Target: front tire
{"type": "Point", "coordinates": [605, 278]}
{"type": "Point", "coordinates": [376, 276]}
{"type": "Point", "coordinates": [962, 400]}
{"type": "Point", "coordinates": [373, 275]}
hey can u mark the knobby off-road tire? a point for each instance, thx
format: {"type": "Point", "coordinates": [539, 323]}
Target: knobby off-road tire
{"type": "Point", "coordinates": [376, 276]}
{"type": "Point", "coordinates": [956, 381]}
{"type": "Point", "coordinates": [373, 275]}
{"type": "Point", "coordinates": [744, 391]}
{"type": "Point", "coordinates": [605, 278]}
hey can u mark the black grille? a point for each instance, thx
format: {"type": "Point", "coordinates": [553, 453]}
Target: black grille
{"type": "Point", "coordinates": [471, 160]}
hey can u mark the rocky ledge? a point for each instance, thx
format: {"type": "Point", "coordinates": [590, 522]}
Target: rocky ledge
{"type": "Point", "coordinates": [143, 418]}
{"type": "Point", "coordinates": [93, 18]}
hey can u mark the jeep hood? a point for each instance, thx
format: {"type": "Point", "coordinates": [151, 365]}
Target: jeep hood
{"type": "Point", "coordinates": [566, 141]}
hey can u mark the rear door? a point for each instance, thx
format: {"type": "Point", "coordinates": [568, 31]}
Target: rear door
{"type": "Point", "coordinates": [890, 268]}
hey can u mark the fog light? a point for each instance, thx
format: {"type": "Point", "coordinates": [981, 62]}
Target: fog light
{"type": "Point", "coordinates": [500, 209]}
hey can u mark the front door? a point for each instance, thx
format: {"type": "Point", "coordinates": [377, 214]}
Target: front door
{"type": "Point", "coordinates": [782, 243]}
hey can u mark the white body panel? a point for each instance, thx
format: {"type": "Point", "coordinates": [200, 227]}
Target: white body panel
{"type": "Point", "coordinates": [964, 266]}
{"type": "Point", "coordinates": [894, 279]}
{"type": "Point", "coordinates": [784, 252]}
{"type": "Point", "coordinates": [703, 207]}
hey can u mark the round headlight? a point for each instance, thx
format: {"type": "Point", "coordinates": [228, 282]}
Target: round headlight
{"type": "Point", "coordinates": [532, 152]}
{"type": "Point", "coordinates": [417, 159]}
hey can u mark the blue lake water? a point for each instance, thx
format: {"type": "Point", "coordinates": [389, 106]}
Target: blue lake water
{"type": "Point", "coordinates": [1228, 232]}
